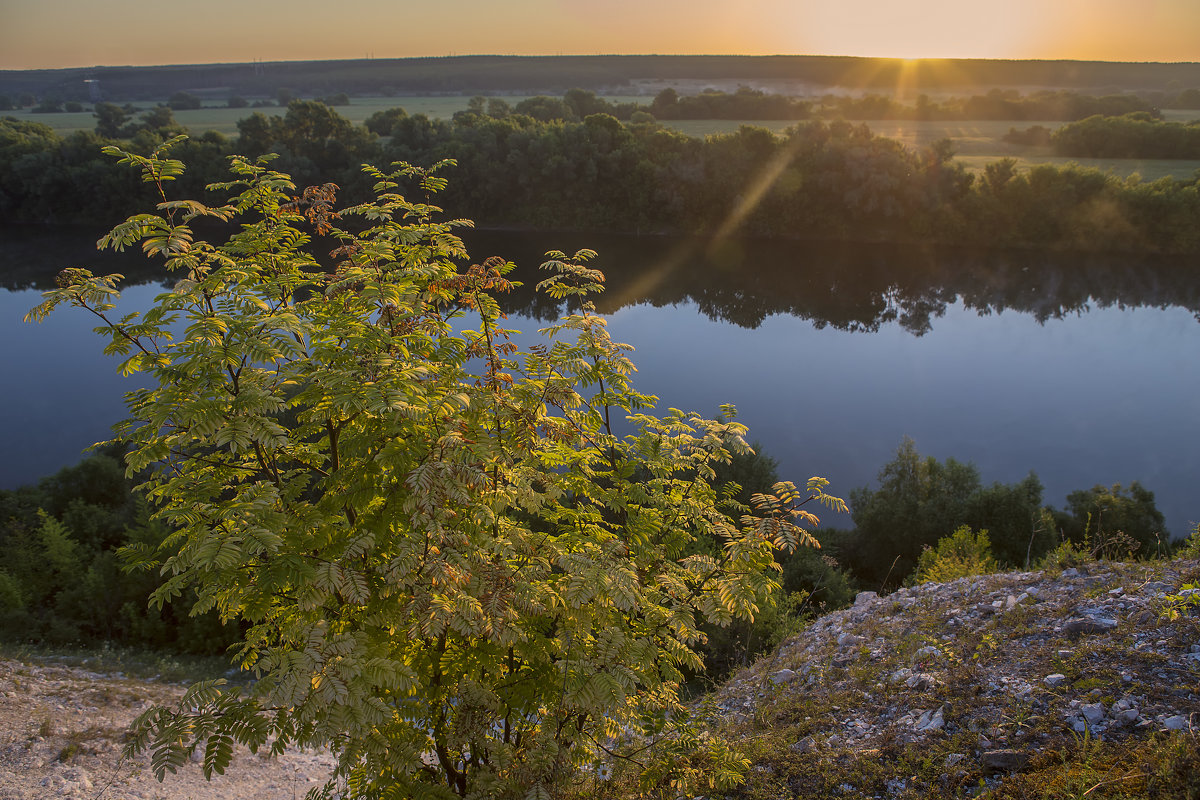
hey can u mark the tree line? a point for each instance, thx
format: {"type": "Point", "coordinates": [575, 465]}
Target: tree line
{"type": "Point", "coordinates": [996, 104]}
{"type": "Point", "coordinates": [826, 180]}
{"type": "Point", "coordinates": [62, 579]}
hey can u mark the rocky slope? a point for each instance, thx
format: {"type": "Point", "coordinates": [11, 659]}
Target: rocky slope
{"type": "Point", "coordinates": [980, 684]}
{"type": "Point", "coordinates": [1030, 684]}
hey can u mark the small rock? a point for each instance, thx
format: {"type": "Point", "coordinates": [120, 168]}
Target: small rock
{"type": "Point", "coordinates": [848, 640]}
{"type": "Point", "coordinates": [1178, 722]}
{"type": "Point", "coordinates": [862, 598]}
{"type": "Point", "coordinates": [921, 681]}
{"type": "Point", "coordinates": [803, 746]}
{"type": "Point", "coordinates": [954, 758]}
{"type": "Point", "coordinates": [1093, 713]}
{"type": "Point", "coordinates": [1126, 716]}
{"type": "Point", "coordinates": [931, 721]}
{"type": "Point", "coordinates": [1077, 625]}
{"type": "Point", "coordinates": [1057, 679]}
{"type": "Point", "coordinates": [782, 676]}
{"type": "Point", "coordinates": [1003, 760]}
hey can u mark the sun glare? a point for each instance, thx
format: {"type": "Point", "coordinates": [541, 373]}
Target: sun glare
{"type": "Point", "coordinates": [923, 29]}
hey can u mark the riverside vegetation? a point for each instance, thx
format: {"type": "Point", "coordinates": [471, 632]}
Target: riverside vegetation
{"type": "Point", "coordinates": [388, 508]}
{"type": "Point", "coordinates": [515, 164]}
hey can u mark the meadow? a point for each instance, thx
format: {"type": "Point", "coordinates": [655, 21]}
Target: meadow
{"type": "Point", "coordinates": [976, 143]}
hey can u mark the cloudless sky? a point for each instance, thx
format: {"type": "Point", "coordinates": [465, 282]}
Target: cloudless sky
{"type": "Point", "coordinates": [72, 33]}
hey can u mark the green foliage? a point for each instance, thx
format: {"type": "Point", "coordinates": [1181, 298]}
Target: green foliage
{"type": "Point", "coordinates": [1114, 522]}
{"type": "Point", "coordinates": [61, 582]}
{"type": "Point", "coordinates": [1135, 135]}
{"type": "Point", "coordinates": [1184, 601]}
{"type": "Point", "coordinates": [919, 500]}
{"type": "Point", "coordinates": [471, 570]}
{"type": "Point", "coordinates": [183, 101]}
{"type": "Point", "coordinates": [959, 555]}
{"type": "Point", "coordinates": [1190, 547]}
{"type": "Point", "coordinates": [818, 179]}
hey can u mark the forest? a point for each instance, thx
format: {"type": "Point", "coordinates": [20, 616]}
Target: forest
{"type": "Point", "coordinates": [515, 165]}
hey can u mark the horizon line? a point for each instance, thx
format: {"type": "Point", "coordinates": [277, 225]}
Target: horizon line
{"type": "Point", "coordinates": [586, 55]}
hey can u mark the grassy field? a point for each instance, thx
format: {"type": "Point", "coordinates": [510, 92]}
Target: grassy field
{"type": "Point", "coordinates": [218, 118]}
{"type": "Point", "coordinates": [976, 144]}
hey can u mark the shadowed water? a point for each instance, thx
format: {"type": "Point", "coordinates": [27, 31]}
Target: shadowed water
{"type": "Point", "coordinates": [1083, 370]}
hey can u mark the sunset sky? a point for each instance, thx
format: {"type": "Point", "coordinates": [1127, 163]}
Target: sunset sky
{"type": "Point", "coordinates": [73, 33]}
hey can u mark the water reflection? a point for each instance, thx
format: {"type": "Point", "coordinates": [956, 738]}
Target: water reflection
{"type": "Point", "coordinates": [832, 353]}
{"type": "Point", "coordinates": [857, 288]}
{"type": "Point", "coordinates": [848, 287]}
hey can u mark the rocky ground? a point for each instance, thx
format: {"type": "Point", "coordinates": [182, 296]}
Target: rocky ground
{"type": "Point", "coordinates": [1033, 684]}
{"type": "Point", "coordinates": [968, 684]}
{"type": "Point", "coordinates": [61, 734]}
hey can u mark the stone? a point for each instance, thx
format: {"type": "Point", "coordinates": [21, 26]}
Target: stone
{"type": "Point", "coordinates": [1178, 722]}
{"type": "Point", "coordinates": [931, 721]}
{"type": "Point", "coordinates": [848, 640]}
{"type": "Point", "coordinates": [862, 598]}
{"type": "Point", "coordinates": [1126, 716]}
{"type": "Point", "coordinates": [1093, 713]}
{"type": "Point", "coordinates": [954, 758]}
{"type": "Point", "coordinates": [921, 681]}
{"type": "Point", "coordinates": [1078, 625]}
{"type": "Point", "coordinates": [1056, 679]}
{"type": "Point", "coordinates": [805, 745]}
{"type": "Point", "coordinates": [1003, 760]}
{"type": "Point", "coordinates": [782, 676]}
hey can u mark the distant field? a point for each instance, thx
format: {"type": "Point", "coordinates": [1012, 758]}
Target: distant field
{"type": "Point", "coordinates": [975, 143]}
{"type": "Point", "coordinates": [219, 118]}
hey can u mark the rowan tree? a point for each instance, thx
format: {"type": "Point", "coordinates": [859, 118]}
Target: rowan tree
{"type": "Point", "coordinates": [470, 570]}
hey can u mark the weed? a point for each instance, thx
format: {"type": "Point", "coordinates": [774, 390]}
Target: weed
{"type": "Point", "coordinates": [68, 752]}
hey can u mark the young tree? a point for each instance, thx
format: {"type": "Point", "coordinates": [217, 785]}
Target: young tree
{"type": "Point", "coordinates": [451, 564]}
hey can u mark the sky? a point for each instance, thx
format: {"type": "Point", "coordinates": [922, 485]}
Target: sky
{"type": "Point", "coordinates": [80, 33]}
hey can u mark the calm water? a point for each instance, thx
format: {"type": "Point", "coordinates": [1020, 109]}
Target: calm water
{"type": "Point", "coordinates": [1083, 371]}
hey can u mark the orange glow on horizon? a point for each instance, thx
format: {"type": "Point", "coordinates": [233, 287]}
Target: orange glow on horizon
{"type": "Point", "coordinates": [118, 32]}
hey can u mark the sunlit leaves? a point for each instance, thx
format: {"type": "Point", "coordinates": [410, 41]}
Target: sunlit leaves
{"type": "Point", "coordinates": [436, 543]}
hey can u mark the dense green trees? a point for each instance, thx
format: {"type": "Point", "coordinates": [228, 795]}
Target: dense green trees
{"type": "Point", "coordinates": [921, 501]}
{"type": "Point", "coordinates": [1136, 135]}
{"type": "Point", "coordinates": [826, 180]}
{"type": "Point", "coordinates": [61, 581]}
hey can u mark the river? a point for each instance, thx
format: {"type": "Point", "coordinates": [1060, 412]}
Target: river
{"type": "Point", "coordinates": [1083, 370]}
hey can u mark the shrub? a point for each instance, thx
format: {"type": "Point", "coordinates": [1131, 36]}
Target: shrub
{"type": "Point", "coordinates": [959, 555]}
{"type": "Point", "coordinates": [470, 570]}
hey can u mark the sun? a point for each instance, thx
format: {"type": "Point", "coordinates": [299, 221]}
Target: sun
{"type": "Point", "coordinates": [922, 29]}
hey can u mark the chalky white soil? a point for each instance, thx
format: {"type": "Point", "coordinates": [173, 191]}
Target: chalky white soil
{"type": "Point", "coordinates": [61, 735]}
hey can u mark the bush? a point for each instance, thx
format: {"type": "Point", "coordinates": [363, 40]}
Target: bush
{"type": "Point", "coordinates": [959, 555]}
{"type": "Point", "coordinates": [454, 566]}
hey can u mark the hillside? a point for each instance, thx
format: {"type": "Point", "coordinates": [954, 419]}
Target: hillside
{"type": "Point", "coordinates": [553, 74]}
{"type": "Point", "coordinates": [1031, 684]}
{"type": "Point", "coordinates": [1026, 685]}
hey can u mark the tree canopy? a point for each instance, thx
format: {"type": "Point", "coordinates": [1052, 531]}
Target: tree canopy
{"type": "Point", "coordinates": [471, 569]}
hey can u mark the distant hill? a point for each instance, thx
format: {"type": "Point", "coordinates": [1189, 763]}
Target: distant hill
{"type": "Point", "coordinates": [553, 74]}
